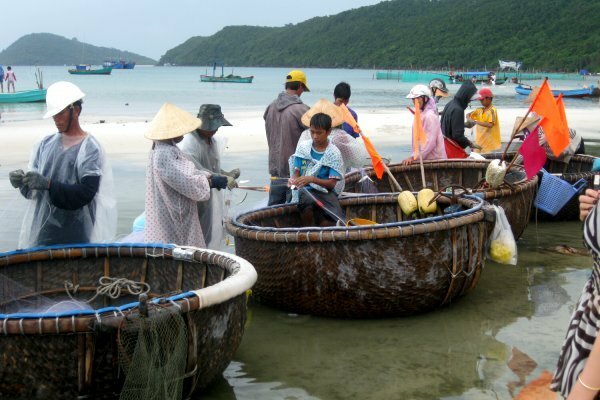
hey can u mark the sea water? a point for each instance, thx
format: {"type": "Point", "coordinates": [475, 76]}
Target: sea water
{"type": "Point", "coordinates": [486, 345]}
{"type": "Point", "coordinates": [140, 92]}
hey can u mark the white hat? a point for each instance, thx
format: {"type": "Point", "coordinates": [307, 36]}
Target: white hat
{"type": "Point", "coordinates": [419, 91]}
{"type": "Point", "coordinates": [171, 122]}
{"type": "Point", "coordinates": [60, 95]}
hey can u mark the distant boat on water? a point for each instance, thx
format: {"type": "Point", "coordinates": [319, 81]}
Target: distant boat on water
{"type": "Point", "coordinates": [84, 69]}
{"type": "Point", "coordinates": [225, 78]}
{"type": "Point", "coordinates": [119, 64]}
{"type": "Point", "coordinates": [590, 91]}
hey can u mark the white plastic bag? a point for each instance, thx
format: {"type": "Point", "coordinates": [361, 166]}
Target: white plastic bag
{"type": "Point", "coordinates": [495, 172]}
{"type": "Point", "coordinates": [502, 247]}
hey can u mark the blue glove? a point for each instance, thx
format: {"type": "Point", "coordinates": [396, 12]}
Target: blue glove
{"type": "Point", "coordinates": [596, 165]}
{"type": "Point", "coordinates": [218, 182]}
{"type": "Point", "coordinates": [36, 181]}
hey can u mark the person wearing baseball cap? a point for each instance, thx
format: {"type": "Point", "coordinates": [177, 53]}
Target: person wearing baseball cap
{"type": "Point", "coordinates": [486, 123]}
{"type": "Point", "coordinates": [283, 125]}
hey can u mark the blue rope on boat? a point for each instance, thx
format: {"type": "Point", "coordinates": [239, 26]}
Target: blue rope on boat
{"type": "Point", "coordinates": [75, 313]}
{"type": "Point", "coordinates": [87, 245]}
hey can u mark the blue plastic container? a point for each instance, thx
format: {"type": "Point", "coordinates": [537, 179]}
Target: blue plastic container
{"type": "Point", "coordinates": [554, 193]}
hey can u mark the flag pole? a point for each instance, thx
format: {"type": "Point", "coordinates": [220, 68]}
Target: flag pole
{"type": "Point", "coordinates": [419, 149]}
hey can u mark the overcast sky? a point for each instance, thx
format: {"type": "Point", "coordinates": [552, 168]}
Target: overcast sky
{"type": "Point", "coordinates": [151, 27]}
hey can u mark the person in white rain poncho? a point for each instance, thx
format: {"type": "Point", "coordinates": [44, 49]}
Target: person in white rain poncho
{"type": "Point", "coordinates": [173, 183]}
{"type": "Point", "coordinates": [69, 183]}
{"type": "Point", "coordinates": [353, 151]}
{"type": "Point", "coordinates": [205, 150]}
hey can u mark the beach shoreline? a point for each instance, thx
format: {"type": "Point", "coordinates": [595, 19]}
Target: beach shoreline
{"type": "Point", "coordinates": [123, 137]}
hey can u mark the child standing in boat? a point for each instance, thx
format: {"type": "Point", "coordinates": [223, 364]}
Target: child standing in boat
{"type": "Point", "coordinates": [10, 79]}
{"type": "Point", "coordinates": [317, 176]}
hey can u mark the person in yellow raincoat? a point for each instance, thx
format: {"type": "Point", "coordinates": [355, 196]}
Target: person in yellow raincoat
{"type": "Point", "coordinates": [486, 123]}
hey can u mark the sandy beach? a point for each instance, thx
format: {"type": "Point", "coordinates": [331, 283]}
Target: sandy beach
{"type": "Point", "coordinates": [123, 137]}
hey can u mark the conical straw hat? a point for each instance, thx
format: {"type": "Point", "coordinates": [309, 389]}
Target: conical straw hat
{"type": "Point", "coordinates": [171, 122]}
{"type": "Point", "coordinates": [530, 123]}
{"type": "Point", "coordinates": [325, 107]}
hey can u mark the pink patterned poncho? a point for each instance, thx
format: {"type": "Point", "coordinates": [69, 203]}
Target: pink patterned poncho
{"type": "Point", "coordinates": [173, 187]}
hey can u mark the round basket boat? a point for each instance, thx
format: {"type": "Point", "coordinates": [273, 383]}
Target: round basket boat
{"type": "Point", "coordinates": [78, 353]}
{"type": "Point", "coordinates": [395, 268]}
{"type": "Point", "coordinates": [516, 199]}
{"type": "Point", "coordinates": [579, 167]}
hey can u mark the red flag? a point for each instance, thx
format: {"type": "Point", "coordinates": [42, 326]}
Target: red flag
{"type": "Point", "coordinates": [563, 115]}
{"type": "Point", "coordinates": [534, 155]}
{"type": "Point", "coordinates": [375, 157]}
{"type": "Point", "coordinates": [555, 130]}
{"type": "Point", "coordinates": [419, 138]}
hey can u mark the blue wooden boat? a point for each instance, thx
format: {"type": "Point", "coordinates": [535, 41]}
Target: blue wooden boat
{"type": "Point", "coordinates": [119, 64]}
{"type": "Point", "coordinates": [591, 91]}
{"type": "Point", "coordinates": [24, 96]}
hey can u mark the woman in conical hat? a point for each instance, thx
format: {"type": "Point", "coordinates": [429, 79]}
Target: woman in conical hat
{"type": "Point", "coordinates": [173, 184]}
{"type": "Point", "coordinates": [353, 152]}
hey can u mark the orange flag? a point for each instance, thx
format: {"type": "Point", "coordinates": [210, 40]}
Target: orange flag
{"type": "Point", "coordinates": [563, 115]}
{"type": "Point", "coordinates": [375, 157]}
{"type": "Point", "coordinates": [555, 129]}
{"type": "Point", "coordinates": [419, 138]}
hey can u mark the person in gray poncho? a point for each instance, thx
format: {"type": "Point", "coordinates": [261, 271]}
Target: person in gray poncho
{"type": "Point", "coordinates": [205, 150]}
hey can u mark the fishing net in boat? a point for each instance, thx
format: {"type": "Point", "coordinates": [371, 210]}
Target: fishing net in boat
{"type": "Point", "coordinates": [153, 354]}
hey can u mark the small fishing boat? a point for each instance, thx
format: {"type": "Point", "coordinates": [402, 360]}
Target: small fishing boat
{"type": "Point", "coordinates": [590, 91]}
{"type": "Point", "coordinates": [516, 199]}
{"type": "Point", "coordinates": [119, 64]}
{"type": "Point", "coordinates": [578, 167]}
{"type": "Point", "coordinates": [396, 267]}
{"type": "Point", "coordinates": [225, 78]}
{"type": "Point", "coordinates": [188, 322]}
{"type": "Point", "coordinates": [24, 96]}
{"type": "Point", "coordinates": [88, 70]}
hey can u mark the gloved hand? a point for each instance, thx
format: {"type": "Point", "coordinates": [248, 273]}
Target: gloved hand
{"type": "Point", "coordinates": [231, 183]}
{"type": "Point", "coordinates": [218, 182]}
{"type": "Point", "coordinates": [234, 173]}
{"type": "Point", "coordinates": [16, 178]}
{"type": "Point", "coordinates": [36, 181]}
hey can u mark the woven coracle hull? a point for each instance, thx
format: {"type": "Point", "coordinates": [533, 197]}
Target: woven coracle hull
{"type": "Point", "coordinates": [580, 166]}
{"type": "Point", "coordinates": [516, 200]}
{"type": "Point", "coordinates": [387, 270]}
{"type": "Point", "coordinates": [77, 356]}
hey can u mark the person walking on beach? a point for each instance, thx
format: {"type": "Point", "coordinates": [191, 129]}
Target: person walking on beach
{"type": "Point", "coordinates": [283, 127]}
{"type": "Point", "coordinates": [341, 95]}
{"type": "Point", "coordinates": [453, 116]}
{"type": "Point", "coordinates": [173, 183]}
{"type": "Point", "coordinates": [204, 149]}
{"type": "Point", "coordinates": [486, 123]}
{"type": "Point", "coordinates": [69, 183]}
{"type": "Point", "coordinates": [577, 375]}
{"type": "Point", "coordinates": [10, 78]}
{"type": "Point", "coordinates": [434, 147]}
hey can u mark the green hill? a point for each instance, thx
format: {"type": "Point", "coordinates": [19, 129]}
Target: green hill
{"type": "Point", "coordinates": [549, 35]}
{"type": "Point", "coordinates": [49, 49]}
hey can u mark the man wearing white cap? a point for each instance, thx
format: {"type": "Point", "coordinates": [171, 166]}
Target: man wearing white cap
{"type": "Point", "coordinates": [173, 183]}
{"type": "Point", "coordinates": [69, 183]}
